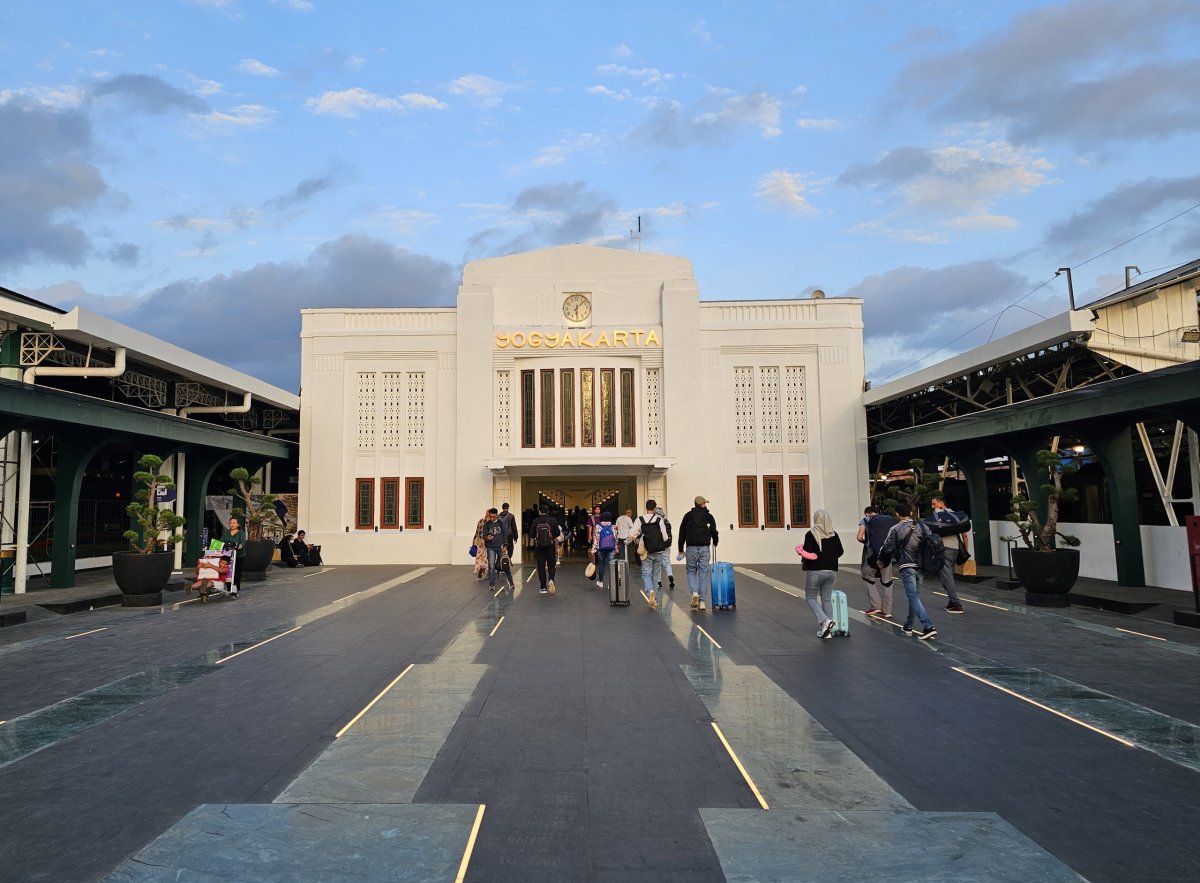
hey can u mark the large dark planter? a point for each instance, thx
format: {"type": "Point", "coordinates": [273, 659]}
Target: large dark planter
{"type": "Point", "coordinates": [1048, 577]}
{"type": "Point", "coordinates": [256, 559]}
{"type": "Point", "coordinates": [142, 578]}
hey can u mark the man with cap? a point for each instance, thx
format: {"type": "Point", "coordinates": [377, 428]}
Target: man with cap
{"type": "Point", "coordinates": [697, 532]}
{"type": "Point", "coordinates": [508, 521]}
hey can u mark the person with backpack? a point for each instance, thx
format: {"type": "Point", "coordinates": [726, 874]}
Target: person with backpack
{"type": "Point", "coordinates": [495, 540]}
{"type": "Point", "coordinates": [652, 530]}
{"type": "Point", "coordinates": [604, 545]}
{"type": "Point", "coordinates": [820, 570]}
{"type": "Point", "coordinates": [872, 531]}
{"type": "Point", "coordinates": [545, 532]}
{"type": "Point", "coordinates": [905, 544]}
{"type": "Point", "coordinates": [662, 513]}
{"type": "Point", "coordinates": [511, 531]}
{"type": "Point", "coordinates": [697, 532]}
{"type": "Point", "coordinates": [952, 542]}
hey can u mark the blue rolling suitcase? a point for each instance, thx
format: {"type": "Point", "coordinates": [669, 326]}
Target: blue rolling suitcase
{"type": "Point", "coordinates": [841, 613]}
{"type": "Point", "coordinates": [720, 586]}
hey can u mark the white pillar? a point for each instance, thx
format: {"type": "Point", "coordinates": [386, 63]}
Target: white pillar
{"type": "Point", "coordinates": [25, 467]}
{"type": "Point", "coordinates": [180, 466]}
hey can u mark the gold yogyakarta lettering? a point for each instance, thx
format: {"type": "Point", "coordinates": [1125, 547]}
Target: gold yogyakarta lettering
{"type": "Point", "coordinates": [586, 339]}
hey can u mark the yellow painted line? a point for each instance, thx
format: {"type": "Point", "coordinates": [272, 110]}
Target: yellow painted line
{"type": "Point", "coordinates": [497, 628]}
{"type": "Point", "coordinates": [319, 572]}
{"type": "Point", "coordinates": [499, 590]}
{"type": "Point", "coordinates": [1140, 634]}
{"type": "Point", "coordinates": [710, 637]}
{"type": "Point", "coordinates": [466, 859]}
{"type": "Point", "coordinates": [354, 719]}
{"type": "Point", "coordinates": [532, 573]}
{"type": "Point", "coordinates": [348, 597]}
{"type": "Point", "coordinates": [259, 644]}
{"type": "Point", "coordinates": [81, 634]}
{"type": "Point", "coordinates": [737, 762]}
{"type": "Point", "coordinates": [1054, 711]}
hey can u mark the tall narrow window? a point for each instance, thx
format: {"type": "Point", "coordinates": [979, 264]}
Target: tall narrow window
{"type": "Point", "coordinates": [747, 501]}
{"type": "Point", "coordinates": [768, 410]}
{"type": "Point", "coordinates": [364, 503]}
{"type": "Point", "coordinates": [414, 506]}
{"type": "Point", "coordinates": [416, 409]}
{"type": "Point", "coordinates": [608, 408]}
{"type": "Point", "coordinates": [773, 505]}
{"type": "Point", "coordinates": [527, 409]}
{"type": "Point", "coordinates": [743, 405]}
{"type": "Point", "coordinates": [798, 494]}
{"type": "Point", "coordinates": [628, 409]}
{"type": "Point", "coordinates": [547, 408]}
{"type": "Point", "coordinates": [567, 392]}
{"type": "Point", "coordinates": [366, 409]}
{"type": "Point", "coordinates": [389, 503]}
{"type": "Point", "coordinates": [587, 406]}
{"type": "Point", "coordinates": [391, 410]}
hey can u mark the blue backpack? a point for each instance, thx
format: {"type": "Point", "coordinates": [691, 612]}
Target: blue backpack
{"type": "Point", "coordinates": [608, 538]}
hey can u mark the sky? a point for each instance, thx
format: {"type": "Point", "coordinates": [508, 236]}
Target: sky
{"type": "Point", "coordinates": [205, 169]}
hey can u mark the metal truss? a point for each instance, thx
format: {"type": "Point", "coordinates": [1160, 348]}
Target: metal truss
{"type": "Point", "coordinates": [37, 347]}
{"type": "Point", "coordinates": [273, 417]}
{"type": "Point", "coordinates": [150, 391]}
{"type": "Point", "coordinates": [1165, 486]}
{"type": "Point", "coordinates": [1065, 366]}
{"type": "Point", "coordinates": [188, 394]}
{"type": "Point", "coordinates": [247, 421]}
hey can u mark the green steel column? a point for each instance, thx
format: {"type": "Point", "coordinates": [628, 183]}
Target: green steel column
{"type": "Point", "coordinates": [202, 463]}
{"type": "Point", "coordinates": [73, 456]}
{"type": "Point", "coordinates": [1114, 448]}
{"type": "Point", "coordinates": [971, 463]}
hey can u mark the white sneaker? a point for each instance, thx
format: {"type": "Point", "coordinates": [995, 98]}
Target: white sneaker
{"type": "Point", "coordinates": [695, 600]}
{"type": "Point", "coordinates": [599, 584]}
{"type": "Point", "coordinates": [550, 586]}
{"type": "Point", "coordinates": [700, 606]}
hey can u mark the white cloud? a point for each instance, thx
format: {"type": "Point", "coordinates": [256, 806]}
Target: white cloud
{"type": "Point", "coordinates": [54, 97]}
{"type": "Point", "coordinates": [701, 32]}
{"type": "Point", "coordinates": [105, 53]}
{"type": "Point", "coordinates": [984, 222]}
{"type": "Point", "coordinates": [560, 152]}
{"type": "Point", "coordinates": [244, 116]}
{"type": "Point", "coordinates": [822, 123]}
{"type": "Point", "coordinates": [886, 229]}
{"type": "Point", "coordinates": [648, 76]}
{"type": "Point", "coordinates": [354, 62]}
{"type": "Point", "coordinates": [622, 51]}
{"type": "Point", "coordinates": [208, 87]}
{"type": "Point", "coordinates": [756, 109]}
{"type": "Point", "coordinates": [482, 90]}
{"type": "Point", "coordinates": [302, 5]}
{"type": "Point", "coordinates": [257, 68]}
{"type": "Point", "coordinates": [351, 102]}
{"type": "Point", "coordinates": [783, 189]}
{"type": "Point", "coordinates": [402, 221]}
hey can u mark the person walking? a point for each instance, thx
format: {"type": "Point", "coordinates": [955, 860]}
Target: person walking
{"type": "Point", "coordinates": [903, 545]}
{"type": "Point", "coordinates": [624, 525]}
{"type": "Point", "coordinates": [545, 531]}
{"type": "Point", "coordinates": [481, 555]}
{"type": "Point", "coordinates": [951, 542]}
{"type": "Point", "coordinates": [820, 570]}
{"type": "Point", "coordinates": [662, 513]}
{"type": "Point", "coordinates": [872, 531]}
{"type": "Point", "coordinates": [495, 539]}
{"type": "Point", "coordinates": [604, 546]}
{"type": "Point", "coordinates": [235, 539]}
{"type": "Point", "coordinates": [697, 532]}
{"type": "Point", "coordinates": [652, 530]}
{"type": "Point", "coordinates": [511, 533]}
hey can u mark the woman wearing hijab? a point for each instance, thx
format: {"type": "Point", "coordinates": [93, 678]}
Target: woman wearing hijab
{"type": "Point", "coordinates": [821, 550]}
{"type": "Point", "coordinates": [481, 559]}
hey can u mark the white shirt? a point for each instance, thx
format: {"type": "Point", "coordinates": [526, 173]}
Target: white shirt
{"type": "Point", "coordinates": [624, 523]}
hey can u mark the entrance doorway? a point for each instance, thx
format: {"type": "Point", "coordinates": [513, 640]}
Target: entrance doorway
{"type": "Point", "coordinates": [570, 500]}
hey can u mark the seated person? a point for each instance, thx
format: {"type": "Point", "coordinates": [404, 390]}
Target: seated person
{"type": "Point", "coordinates": [301, 551]}
{"type": "Point", "coordinates": [287, 556]}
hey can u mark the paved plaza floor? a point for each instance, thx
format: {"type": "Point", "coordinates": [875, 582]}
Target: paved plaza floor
{"type": "Point", "coordinates": [373, 723]}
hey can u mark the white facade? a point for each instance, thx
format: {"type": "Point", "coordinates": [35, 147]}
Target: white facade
{"type": "Point", "coordinates": [412, 420]}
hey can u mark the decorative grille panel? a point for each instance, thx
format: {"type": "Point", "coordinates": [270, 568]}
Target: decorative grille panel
{"type": "Point", "coordinates": [504, 409]}
{"type": "Point", "coordinates": [391, 410]}
{"type": "Point", "coordinates": [366, 409]}
{"type": "Point", "coordinates": [416, 409]}
{"type": "Point", "coordinates": [768, 404]}
{"type": "Point", "coordinates": [743, 405]}
{"type": "Point", "coordinates": [794, 405]}
{"type": "Point", "coordinates": [652, 408]}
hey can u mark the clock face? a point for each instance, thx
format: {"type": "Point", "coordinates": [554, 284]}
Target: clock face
{"type": "Point", "coordinates": [577, 307]}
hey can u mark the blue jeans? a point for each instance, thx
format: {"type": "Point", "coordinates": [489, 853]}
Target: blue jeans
{"type": "Point", "coordinates": [910, 578]}
{"type": "Point", "coordinates": [603, 559]}
{"type": "Point", "coordinates": [494, 566]}
{"type": "Point", "coordinates": [818, 592]}
{"type": "Point", "coordinates": [697, 568]}
{"type": "Point", "coordinates": [653, 568]}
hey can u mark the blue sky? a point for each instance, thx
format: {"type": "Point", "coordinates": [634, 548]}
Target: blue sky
{"type": "Point", "coordinates": [175, 161]}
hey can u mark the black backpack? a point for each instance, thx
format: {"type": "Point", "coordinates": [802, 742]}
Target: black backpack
{"type": "Point", "coordinates": [653, 535]}
{"type": "Point", "coordinates": [543, 534]}
{"type": "Point", "coordinates": [931, 555]}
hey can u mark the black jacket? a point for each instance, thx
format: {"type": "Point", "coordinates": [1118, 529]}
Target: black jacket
{"type": "Point", "coordinates": [827, 553]}
{"type": "Point", "coordinates": [698, 528]}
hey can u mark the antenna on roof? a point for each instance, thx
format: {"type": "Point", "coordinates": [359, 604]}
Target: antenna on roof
{"type": "Point", "coordinates": [638, 234]}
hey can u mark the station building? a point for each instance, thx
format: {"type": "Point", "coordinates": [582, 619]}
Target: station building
{"type": "Point", "coordinates": [579, 375]}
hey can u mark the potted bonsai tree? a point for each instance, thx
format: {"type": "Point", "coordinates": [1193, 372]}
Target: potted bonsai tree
{"type": "Point", "coordinates": [144, 571]}
{"type": "Point", "coordinates": [263, 526]}
{"type": "Point", "coordinates": [911, 494]}
{"type": "Point", "coordinates": [1046, 571]}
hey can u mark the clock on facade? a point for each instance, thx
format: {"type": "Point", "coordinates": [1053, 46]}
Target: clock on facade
{"type": "Point", "coordinates": [577, 307]}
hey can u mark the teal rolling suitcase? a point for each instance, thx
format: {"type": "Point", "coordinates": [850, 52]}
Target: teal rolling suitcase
{"type": "Point", "coordinates": [841, 613]}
